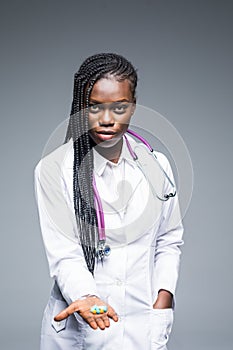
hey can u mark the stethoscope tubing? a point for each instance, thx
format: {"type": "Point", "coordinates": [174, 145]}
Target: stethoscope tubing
{"type": "Point", "coordinates": [98, 203]}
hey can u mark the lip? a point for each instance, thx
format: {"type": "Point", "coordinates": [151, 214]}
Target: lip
{"type": "Point", "coordinates": [105, 135]}
{"type": "Point", "coordinates": [106, 132]}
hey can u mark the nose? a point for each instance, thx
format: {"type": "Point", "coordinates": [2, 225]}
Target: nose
{"type": "Point", "coordinates": [106, 118]}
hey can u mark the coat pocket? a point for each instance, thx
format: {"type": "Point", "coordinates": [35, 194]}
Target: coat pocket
{"type": "Point", "coordinates": [161, 326]}
{"type": "Point", "coordinates": [59, 305]}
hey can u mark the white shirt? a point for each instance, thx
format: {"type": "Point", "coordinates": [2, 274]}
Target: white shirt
{"type": "Point", "coordinates": [143, 232]}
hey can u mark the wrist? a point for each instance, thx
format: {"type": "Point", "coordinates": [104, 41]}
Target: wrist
{"type": "Point", "coordinates": [164, 300]}
{"type": "Point", "coordinates": [83, 297]}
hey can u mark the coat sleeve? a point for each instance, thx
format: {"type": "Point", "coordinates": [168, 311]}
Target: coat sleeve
{"type": "Point", "coordinates": [169, 238]}
{"type": "Point", "coordinates": [64, 253]}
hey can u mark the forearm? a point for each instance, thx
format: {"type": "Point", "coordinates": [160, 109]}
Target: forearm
{"type": "Point", "coordinates": [74, 280]}
{"type": "Point", "coordinates": [166, 269]}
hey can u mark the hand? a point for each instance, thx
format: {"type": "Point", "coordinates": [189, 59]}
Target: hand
{"type": "Point", "coordinates": [164, 300]}
{"type": "Point", "coordinates": [83, 307]}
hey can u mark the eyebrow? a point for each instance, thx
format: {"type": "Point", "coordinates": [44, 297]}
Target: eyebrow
{"type": "Point", "coordinates": [118, 101]}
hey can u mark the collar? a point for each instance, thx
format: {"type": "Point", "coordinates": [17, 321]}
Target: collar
{"type": "Point", "coordinates": [100, 162]}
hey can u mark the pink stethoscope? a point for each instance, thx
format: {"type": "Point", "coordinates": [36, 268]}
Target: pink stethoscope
{"type": "Point", "coordinates": [103, 249]}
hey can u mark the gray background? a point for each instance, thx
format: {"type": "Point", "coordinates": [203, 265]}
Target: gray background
{"type": "Point", "coordinates": [183, 52]}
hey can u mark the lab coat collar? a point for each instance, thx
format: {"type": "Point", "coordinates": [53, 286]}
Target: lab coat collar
{"type": "Point", "coordinates": [100, 162]}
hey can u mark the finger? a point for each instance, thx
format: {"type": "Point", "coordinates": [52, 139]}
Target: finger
{"type": "Point", "coordinates": [115, 317]}
{"type": "Point", "coordinates": [66, 312]}
{"type": "Point", "coordinates": [91, 321]}
{"type": "Point", "coordinates": [106, 321]}
{"type": "Point", "coordinates": [100, 323]}
{"type": "Point", "coordinates": [95, 321]}
{"type": "Point", "coordinates": [112, 314]}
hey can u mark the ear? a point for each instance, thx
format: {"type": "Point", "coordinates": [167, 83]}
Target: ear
{"type": "Point", "coordinates": [134, 103]}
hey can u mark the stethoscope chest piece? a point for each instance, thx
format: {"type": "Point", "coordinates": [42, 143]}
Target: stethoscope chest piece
{"type": "Point", "coordinates": [103, 250]}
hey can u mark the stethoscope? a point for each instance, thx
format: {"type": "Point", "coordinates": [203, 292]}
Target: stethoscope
{"type": "Point", "coordinates": [103, 249]}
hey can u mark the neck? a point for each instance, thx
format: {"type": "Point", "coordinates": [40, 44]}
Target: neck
{"type": "Point", "coordinates": [111, 153]}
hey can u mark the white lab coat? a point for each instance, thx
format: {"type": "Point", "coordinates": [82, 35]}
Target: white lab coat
{"type": "Point", "coordinates": [144, 234]}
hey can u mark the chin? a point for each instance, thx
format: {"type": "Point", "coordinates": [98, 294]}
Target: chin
{"type": "Point", "coordinates": [109, 143]}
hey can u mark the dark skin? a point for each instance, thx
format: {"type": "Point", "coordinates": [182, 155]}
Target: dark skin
{"type": "Point", "coordinates": [111, 108]}
{"type": "Point", "coordinates": [82, 307]}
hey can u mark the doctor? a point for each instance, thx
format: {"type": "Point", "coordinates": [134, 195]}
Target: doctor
{"type": "Point", "coordinates": [123, 300]}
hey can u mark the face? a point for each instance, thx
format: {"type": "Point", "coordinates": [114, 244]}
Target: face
{"type": "Point", "coordinates": [110, 111]}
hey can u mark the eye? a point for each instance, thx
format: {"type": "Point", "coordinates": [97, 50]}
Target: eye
{"type": "Point", "coordinates": [94, 108]}
{"type": "Point", "coordinates": [120, 109]}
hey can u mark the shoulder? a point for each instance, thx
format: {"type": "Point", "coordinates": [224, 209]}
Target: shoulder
{"type": "Point", "coordinates": [54, 162]}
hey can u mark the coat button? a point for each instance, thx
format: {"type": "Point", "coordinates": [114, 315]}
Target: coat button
{"type": "Point", "coordinates": [119, 282]}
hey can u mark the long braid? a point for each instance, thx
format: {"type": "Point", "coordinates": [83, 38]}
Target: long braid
{"type": "Point", "coordinates": [93, 68]}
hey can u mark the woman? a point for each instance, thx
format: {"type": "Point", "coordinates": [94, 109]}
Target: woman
{"type": "Point", "coordinates": [112, 245]}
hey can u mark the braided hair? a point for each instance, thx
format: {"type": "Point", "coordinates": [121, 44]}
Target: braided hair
{"type": "Point", "coordinates": [92, 69]}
